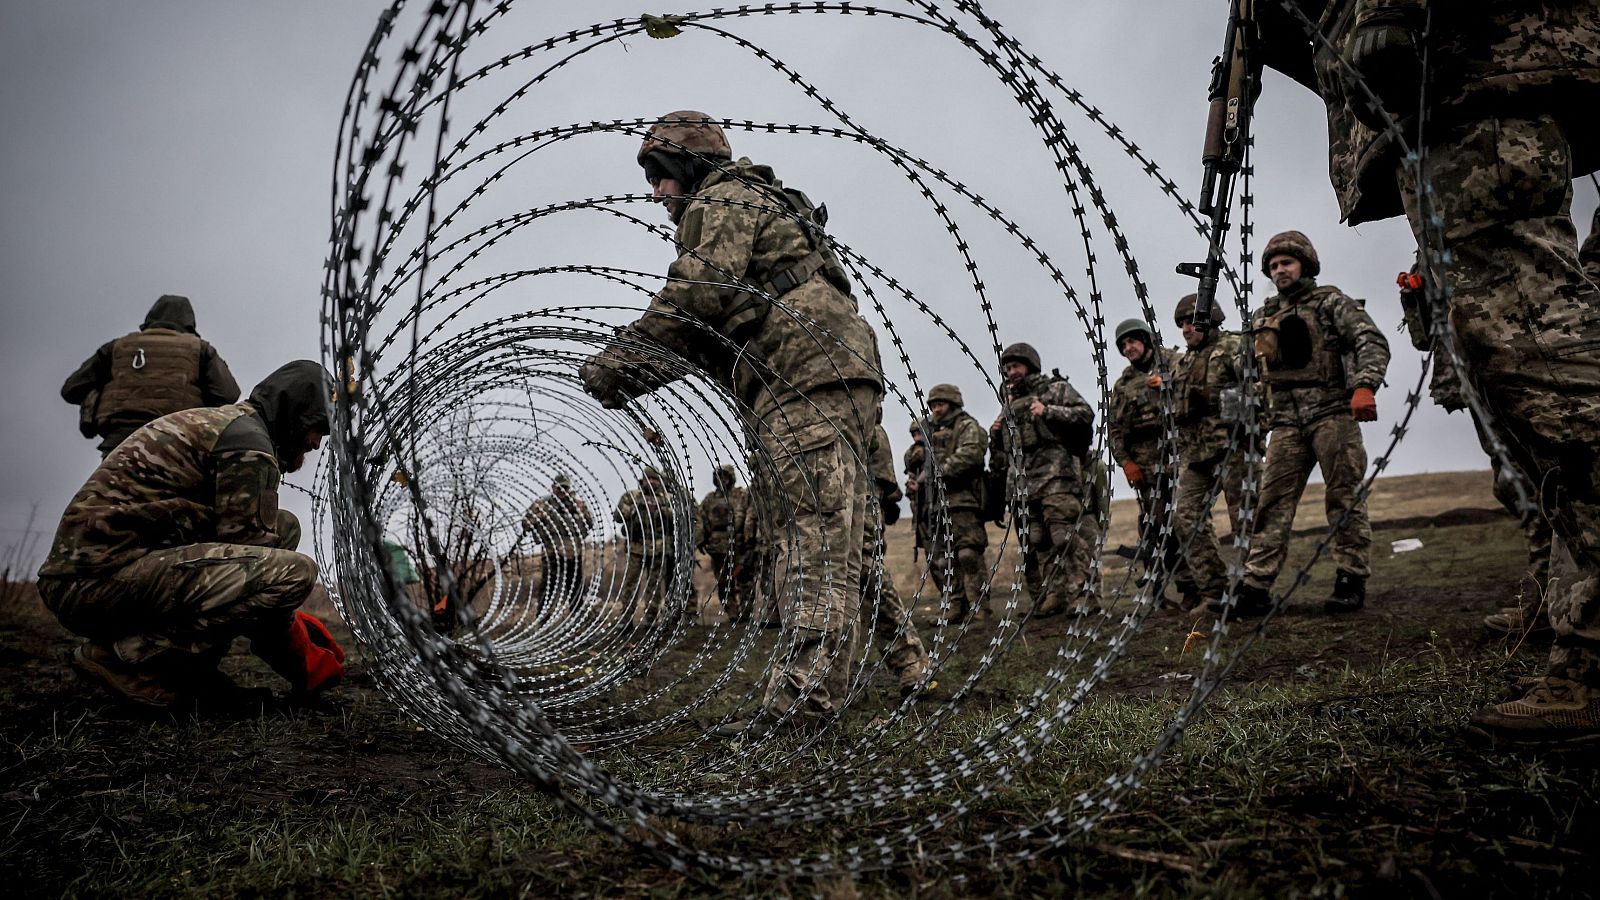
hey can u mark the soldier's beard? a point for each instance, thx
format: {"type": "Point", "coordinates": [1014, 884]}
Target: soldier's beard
{"type": "Point", "coordinates": [293, 463]}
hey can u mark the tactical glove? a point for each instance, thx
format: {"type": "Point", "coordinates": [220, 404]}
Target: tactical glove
{"type": "Point", "coordinates": [1363, 405]}
{"type": "Point", "coordinates": [1153, 382]}
{"type": "Point", "coordinates": [891, 512]}
{"type": "Point", "coordinates": [306, 654]}
{"type": "Point", "coordinates": [1384, 53]}
{"type": "Point", "coordinates": [603, 379]}
{"type": "Point", "coordinates": [1135, 474]}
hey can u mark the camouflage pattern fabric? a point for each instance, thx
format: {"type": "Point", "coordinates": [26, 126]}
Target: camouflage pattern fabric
{"type": "Point", "coordinates": [892, 627]}
{"type": "Point", "coordinates": [646, 516]}
{"type": "Point", "coordinates": [1333, 444]}
{"type": "Point", "coordinates": [1209, 405]}
{"type": "Point", "coordinates": [1134, 424]}
{"type": "Point", "coordinates": [642, 587]}
{"type": "Point", "coordinates": [955, 557]}
{"type": "Point", "coordinates": [958, 444]}
{"type": "Point", "coordinates": [818, 450]}
{"type": "Point", "coordinates": [559, 523]}
{"type": "Point", "coordinates": [719, 514]}
{"type": "Point", "coordinates": [1096, 499]}
{"type": "Point", "coordinates": [1346, 332]}
{"type": "Point", "coordinates": [1203, 571]}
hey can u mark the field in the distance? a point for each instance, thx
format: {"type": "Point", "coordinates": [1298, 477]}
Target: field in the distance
{"type": "Point", "coordinates": [1334, 763]}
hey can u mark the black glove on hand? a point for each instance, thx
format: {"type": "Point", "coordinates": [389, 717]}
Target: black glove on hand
{"type": "Point", "coordinates": [1384, 53]}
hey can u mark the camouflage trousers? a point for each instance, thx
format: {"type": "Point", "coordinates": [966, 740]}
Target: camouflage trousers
{"type": "Point", "coordinates": [955, 559]}
{"type": "Point", "coordinates": [561, 582]}
{"type": "Point", "coordinates": [642, 589]}
{"type": "Point", "coordinates": [816, 486]}
{"type": "Point", "coordinates": [193, 599]}
{"type": "Point", "coordinates": [892, 626]}
{"type": "Point", "coordinates": [1526, 317]}
{"type": "Point", "coordinates": [1199, 567]}
{"type": "Point", "coordinates": [722, 571]}
{"type": "Point", "coordinates": [1333, 444]}
{"type": "Point", "coordinates": [1531, 596]}
{"type": "Point", "coordinates": [1055, 560]}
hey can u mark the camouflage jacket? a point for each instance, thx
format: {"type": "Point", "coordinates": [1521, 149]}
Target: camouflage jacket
{"type": "Point", "coordinates": [560, 522]}
{"type": "Point", "coordinates": [646, 518]}
{"type": "Point", "coordinates": [1049, 466]}
{"type": "Point", "coordinates": [1351, 352]}
{"type": "Point", "coordinates": [914, 459]}
{"type": "Point", "coordinates": [1208, 401]}
{"type": "Point", "coordinates": [880, 466]}
{"type": "Point", "coordinates": [958, 443]}
{"type": "Point", "coordinates": [1522, 56]}
{"type": "Point", "coordinates": [718, 521]}
{"type": "Point", "coordinates": [200, 475]}
{"type": "Point", "coordinates": [1133, 427]}
{"type": "Point", "coordinates": [736, 234]}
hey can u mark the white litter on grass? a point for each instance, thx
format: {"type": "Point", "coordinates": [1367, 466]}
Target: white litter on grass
{"type": "Point", "coordinates": [1405, 545]}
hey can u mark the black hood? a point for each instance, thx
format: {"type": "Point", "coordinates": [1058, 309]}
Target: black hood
{"type": "Point", "coordinates": [170, 311]}
{"type": "Point", "coordinates": [292, 401]}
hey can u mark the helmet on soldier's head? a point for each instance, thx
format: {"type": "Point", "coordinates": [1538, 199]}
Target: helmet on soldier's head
{"type": "Point", "coordinates": [650, 473]}
{"type": "Point", "coordinates": [1132, 327]}
{"type": "Point", "coordinates": [1185, 310]}
{"type": "Point", "coordinates": [916, 426]}
{"type": "Point", "coordinates": [724, 475]}
{"type": "Point", "coordinates": [683, 132]}
{"type": "Point", "coordinates": [1295, 244]}
{"type": "Point", "coordinates": [949, 393]}
{"type": "Point", "coordinates": [1022, 353]}
{"type": "Point", "coordinates": [561, 481]}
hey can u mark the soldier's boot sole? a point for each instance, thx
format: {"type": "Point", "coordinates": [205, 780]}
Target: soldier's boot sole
{"type": "Point", "coordinates": [100, 665]}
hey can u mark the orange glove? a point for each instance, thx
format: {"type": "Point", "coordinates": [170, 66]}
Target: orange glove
{"type": "Point", "coordinates": [1363, 405]}
{"type": "Point", "coordinates": [1153, 382]}
{"type": "Point", "coordinates": [1134, 473]}
{"type": "Point", "coordinates": [307, 655]}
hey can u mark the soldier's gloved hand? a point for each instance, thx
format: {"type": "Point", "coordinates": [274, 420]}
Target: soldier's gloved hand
{"type": "Point", "coordinates": [603, 379]}
{"type": "Point", "coordinates": [1364, 405]}
{"type": "Point", "coordinates": [1383, 52]}
{"type": "Point", "coordinates": [1135, 474]}
{"type": "Point", "coordinates": [1153, 382]}
{"type": "Point", "coordinates": [891, 512]}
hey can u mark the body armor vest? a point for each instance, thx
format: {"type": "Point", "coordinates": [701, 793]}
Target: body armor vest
{"type": "Point", "coordinates": [153, 373]}
{"type": "Point", "coordinates": [1296, 348]}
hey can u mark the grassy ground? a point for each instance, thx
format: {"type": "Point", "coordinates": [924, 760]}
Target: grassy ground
{"type": "Point", "coordinates": [1333, 763]}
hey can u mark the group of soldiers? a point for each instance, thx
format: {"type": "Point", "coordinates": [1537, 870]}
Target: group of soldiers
{"type": "Point", "coordinates": [175, 543]}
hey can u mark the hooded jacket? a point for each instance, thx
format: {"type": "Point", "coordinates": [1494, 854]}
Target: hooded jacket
{"type": "Point", "coordinates": [162, 368]}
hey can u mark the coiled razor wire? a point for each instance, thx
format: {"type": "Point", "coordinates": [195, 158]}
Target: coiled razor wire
{"type": "Point", "coordinates": [534, 635]}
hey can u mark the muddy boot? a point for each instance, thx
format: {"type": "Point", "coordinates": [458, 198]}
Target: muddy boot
{"type": "Point", "coordinates": [1349, 594]}
{"type": "Point", "coordinates": [100, 664]}
{"type": "Point", "coordinates": [1554, 713]}
{"type": "Point", "coordinates": [1189, 596]}
{"type": "Point", "coordinates": [1053, 605]}
{"type": "Point", "coordinates": [914, 677]}
{"type": "Point", "coordinates": [1249, 603]}
{"type": "Point", "coordinates": [1513, 622]}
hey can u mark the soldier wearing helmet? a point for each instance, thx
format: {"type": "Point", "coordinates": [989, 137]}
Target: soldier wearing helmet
{"type": "Point", "coordinates": [1322, 360]}
{"type": "Point", "coordinates": [1134, 426]}
{"type": "Point", "coordinates": [1053, 429]}
{"type": "Point", "coordinates": [949, 489]}
{"type": "Point", "coordinates": [647, 544]}
{"type": "Point", "coordinates": [560, 523]}
{"type": "Point", "coordinates": [805, 375]}
{"type": "Point", "coordinates": [1210, 412]}
{"type": "Point", "coordinates": [716, 533]}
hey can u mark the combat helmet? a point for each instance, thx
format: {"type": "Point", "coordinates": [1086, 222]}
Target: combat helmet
{"type": "Point", "coordinates": [724, 477]}
{"type": "Point", "coordinates": [916, 426]}
{"type": "Point", "coordinates": [683, 132]}
{"type": "Point", "coordinates": [949, 393]}
{"type": "Point", "coordinates": [1022, 353]}
{"type": "Point", "coordinates": [1130, 327]}
{"type": "Point", "coordinates": [1185, 310]}
{"type": "Point", "coordinates": [1295, 244]}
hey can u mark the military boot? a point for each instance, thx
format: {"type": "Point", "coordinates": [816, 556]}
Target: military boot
{"type": "Point", "coordinates": [1512, 621]}
{"type": "Point", "coordinates": [1250, 602]}
{"type": "Point", "coordinates": [100, 664]}
{"type": "Point", "coordinates": [1555, 712]}
{"type": "Point", "coordinates": [1349, 594]}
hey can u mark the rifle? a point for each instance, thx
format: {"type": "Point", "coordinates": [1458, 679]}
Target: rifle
{"type": "Point", "coordinates": [1235, 82]}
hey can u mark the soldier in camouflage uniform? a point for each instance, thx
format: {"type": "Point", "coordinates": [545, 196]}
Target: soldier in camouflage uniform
{"type": "Point", "coordinates": [914, 464]}
{"type": "Point", "coordinates": [955, 557]}
{"type": "Point", "coordinates": [1322, 360]}
{"type": "Point", "coordinates": [1209, 406]}
{"type": "Point", "coordinates": [646, 516]}
{"type": "Point", "coordinates": [163, 367]}
{"type": "Point", "coordinates": [897, 635]}
{"type": "Point", "coordinates": [716, 534]}
{"type": "Point", "coordinates": [1512, 89]}
{"type": "Point", "coordinates": [560, 523]}
{"type": "Point", "coordinates": [176, 545]}
{"type": "Point", "coordinates": [759, 299]}
{"type": "Point", "coordinates": [1134, 429]}
{"type": "Point", "coordinates": [1054, 426]}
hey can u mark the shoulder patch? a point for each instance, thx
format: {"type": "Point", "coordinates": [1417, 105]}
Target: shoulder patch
{"type": "Point", "coordinates": [243, 434]}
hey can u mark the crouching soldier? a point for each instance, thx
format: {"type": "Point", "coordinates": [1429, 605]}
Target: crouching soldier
{"type": "Point", "coordinates": [175, 546]}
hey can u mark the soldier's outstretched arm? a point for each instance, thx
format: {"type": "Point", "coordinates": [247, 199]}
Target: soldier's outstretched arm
{"type": "Point", "coordinates": [717, 241]}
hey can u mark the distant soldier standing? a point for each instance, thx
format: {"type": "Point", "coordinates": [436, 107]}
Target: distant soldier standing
{"type": "Point", "coordinates": [1134, 429]}
{"type": "Point", "coordinates": [137, 378]}
{"type": "Point", "coordinates": [1210, 407]}
{"type": "Point", "coordinates": [560, 523]}
{"type": "Point", "coordinates": [716, 533]}
{"type": "Point", "coordinates": [1322, 361]}
{"type": "Point", "coordinates": [1054, 426]}
{"type": "Point", "coordinates": [806, 376]}
{"type": "Point", "coordinates": [646, 516]}
{"type": "Point", "coordinates": [958, 443]}
{"type": "Point", "coordinates": [176, 545]}
{"type": "Point", "coordinates": [914, 464]}
{"type": "Point", "coordinates": [897, 635]}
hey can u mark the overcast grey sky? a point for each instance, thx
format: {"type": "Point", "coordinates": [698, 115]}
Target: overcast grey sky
{"type": "Point", "coordinates": [186, 146]}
